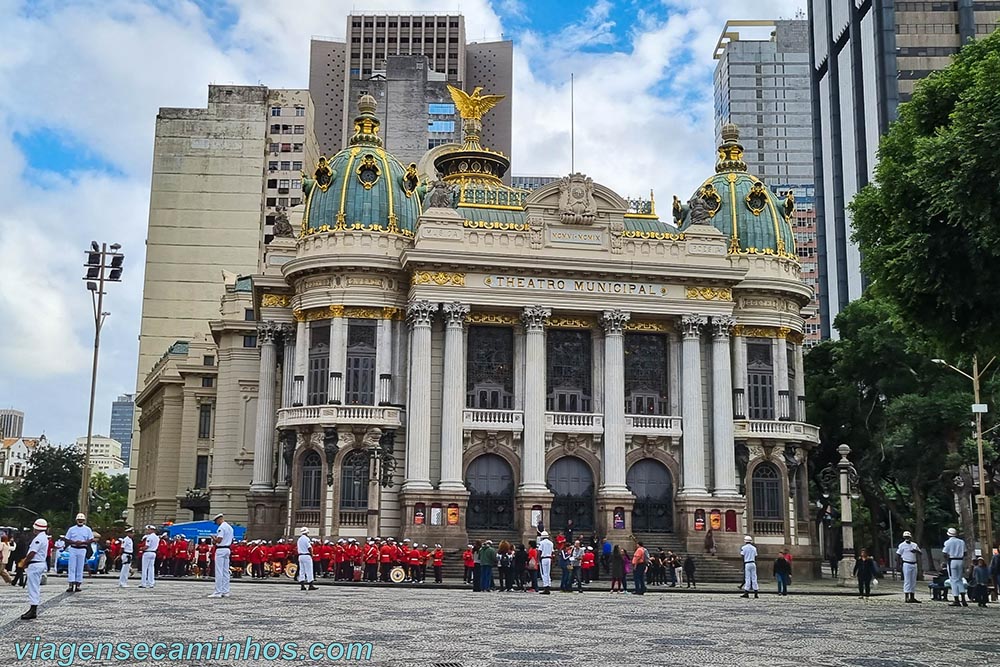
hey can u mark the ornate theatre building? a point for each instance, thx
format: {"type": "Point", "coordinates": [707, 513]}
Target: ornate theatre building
{"type": "Point", "coordinates": [439, 358]}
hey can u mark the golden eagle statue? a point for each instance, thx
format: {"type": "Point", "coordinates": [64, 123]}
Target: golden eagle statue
{"type": "Point", "coordinates": [475, 105]}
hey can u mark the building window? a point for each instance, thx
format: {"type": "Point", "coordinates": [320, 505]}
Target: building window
{"type": "Point", "coordinates": [282, 201]}
{"type": "Point", "coordinates": [300, 111]}
{"type": "Point", "coordinates": [354, 481]}
{"type": "Point", "coordinates": [645, 374]}
{"type": "Point", "coordinates": [283, 183]}
{"type": "Point", "coordinates": [248, 315]}
{"type": "Point", "coordinates": [272, 165]}
{"type": "Point", "coordinates": [319, 362]}
{"type": "Point", "coordinates": [296, 184]}
{"type": "Point", "coordinates": [272, 182]}
{"type": "Point", "coordinates": [766, 488]}
{"type": "Point", "coordinates": [275, 128]}
{"type": "Point", "coordinates": [760, 379]}
{"type": "Point", "coordinates": [250, 341]}
{"type": "Point", "coordinates": [271, 201]}
{"type": "Point", "coordinates": [201, 472]}
{"type": "Point", "coordinates": [208, 360]}
{"type": "Point", "coordinates": [286, 148]}
{"type": "Point", "coordinates": [569, 370]}
{"type": "Point", "coordinates": [489, 383]}
{"type": "Point", "coordinates": [297, 148]}
{"type": "Point", "coordinates": [295, 201]}
{"type": "Point", "coordinates": [208, 382]}
{"type": "Point", "coordinates": [300, 129]}
{"type": "Point", "coordinates": [441, 126]}
{"type": "Point", "coordinates": [273, 147]}
{"type": "Point", "coordinates": [312, 483]}
{"type": "Point", "coordinates": [286, 165]}
{"type": "Point", "coordinates": [296, 165]}
{"type": "Point", "coordinates": [359, 387]}
{"type": "Point", "coordinates": [275, 111]}
{"type": "Point", "coordinates": [205, 421]}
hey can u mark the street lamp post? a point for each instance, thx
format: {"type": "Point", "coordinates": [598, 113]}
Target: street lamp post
{"type": "Point", "coordinates": [104, 265]}
{"type": "Point", "coordinates": [847, 477]}
{"type": "Point", "coordinates": [978, 408]}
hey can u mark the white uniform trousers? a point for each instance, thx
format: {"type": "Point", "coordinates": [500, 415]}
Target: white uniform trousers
{"type": "Point", "coordinates": [546, 568]}
{"type": "Point", "coordinates": [149, 569]}
{"type": "Point", "coordinates": [222, 573]}
{"type": "Point", "coordinates": [955, 570]}
{"type": "Point", "coordinates": [126, 565]}
{"type": "Point", "coordinates": [77, 557]}
{"type": "Point", "coordinates": [305, 569]}
{"type": "Point", "coordinates": [35, 572]}
{"type": "Point", "coordinates": [909, 577]}
{"type": "Point", "coordinates": [750, 577]}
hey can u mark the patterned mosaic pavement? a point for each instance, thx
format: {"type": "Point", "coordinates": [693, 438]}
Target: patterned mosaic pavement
{"type": "Point", "coordinates": [447, 628]}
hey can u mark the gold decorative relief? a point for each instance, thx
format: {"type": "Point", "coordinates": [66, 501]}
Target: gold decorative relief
{"type": "Point", "coordinates": [709, 293]}
{"type": "Point", "coordinates": [569, 322]}
{"type": "Point", "coordinates": [438, 278]}
{"type": "Point", "coordinates": [493, 318]}
{"type": "Point", "coordinates": [274, 301]}
{"type": "Point", "coordinates": [648, 326]}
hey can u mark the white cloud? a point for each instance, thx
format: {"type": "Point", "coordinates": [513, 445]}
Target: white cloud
{"type": "Point", "coordinates": [98, 71]}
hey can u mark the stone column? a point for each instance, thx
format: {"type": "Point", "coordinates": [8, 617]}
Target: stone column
{"type": "Point", "coordinates": [800, 385]}
{"type": "Point", "coordinates": [723, 447]}
{"type": "Point", "coordinates": [674, 373]}
{"type": "Point", "coordinates": [383, 361]}
{"type": "Point", "coordinates": [287, 386]}
{"type": "Point", "coordinates": [338, 359]}
{"type": "Point", "coordinates": [418, 409]}
{"type": "Point", "coordinates": [614, 401]}
{"type": "Point", "coordinates": [780, 353]}
{"type": "Point", "coordinates": [301, 363]}
{"type": "Point", "coordinates": [518, 368]}
{"type": "Point", "coordinates": [739, 375]}
{"type": "Point", "coordinates": [533, 460]}
{"type": "Point", "coordinates": [453, 396]}
{"type": "Point", "coordinates": [691, 407]}
{"type": "Point", "coordinates": [263, 446]}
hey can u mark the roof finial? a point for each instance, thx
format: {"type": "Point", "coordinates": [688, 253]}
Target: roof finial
{"type": "Point", "coordinates": [366, 124]}
{"type": "Point", "coordinates": [731, 151]}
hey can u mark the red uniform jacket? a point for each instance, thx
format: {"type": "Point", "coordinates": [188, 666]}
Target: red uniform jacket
{"type": "Point", "coordinates": [279, 552]}
{"type": "Point", "coordinates": [326, 553]}
{"type": "Point", "coordinates": [398, 554]}
{"type": "Point", "coordinates": [438, 557]}
{"type": "Point", "coordinates": [413, 558]}
{"type": "Point", "coordinates": [386, 553]}
{"type": "Point", "coordinates": [203, 550]}
{"type": "Point", "coordinates": [338, 553]}
{"type": "Point", "coordinates": [587, 561]}
{"type": "Point", "coordinates": [180, 549]}
{"type": "Point", "coordinates": [163, 551]}
{"type": "Point", "coordinates": [467, 558]}
{"type": "Point", "coordinates": [371, 554]}
{"type": "Point", "coordinates": [257, 555]}
{"type": "Point", "coordinates": [353, 553]}
{"type": "Point", "coordinates": [239, 553]}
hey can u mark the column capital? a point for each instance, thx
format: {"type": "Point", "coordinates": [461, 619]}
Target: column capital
{"type": "Point", "coordinates": [534, 317]}
{"type": "Point", "coordinates": [722, 326]}
{"type": "Point", "coordinates": [614, 321]}
{"type": "Point", "coordinates": [455, 313]}
{"type": "Point", "coordinates": [288, 332]}
{"type": "Point", "coordinates": [267, 331]}
{"type": "Point", "coordinates": [693, 325]}
{"type": "Point", "coordinates": [419, 312]}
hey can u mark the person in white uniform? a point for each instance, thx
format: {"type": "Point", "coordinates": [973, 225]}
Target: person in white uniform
{"type": "Point", "coordinates": [127, 551]}
{"type": "Point", "coordinates": [223, 542]}
{"type": "Point", "coordinates": [150, 545]}
{"type": "Point", "coordinates": [749, 553]}
{"type": "Point", "coordinates": [78, 539]}
{"type": "Point", "coordinates": [909, 553]}
{"type": "Point", "coordinates": [35, 563]}
{"type": "Point", "coordinates": [304, 548]}
{"type": "Point", "coordinates": [545, 552]}
{"type": "Point", "coordinates": [954, 551]}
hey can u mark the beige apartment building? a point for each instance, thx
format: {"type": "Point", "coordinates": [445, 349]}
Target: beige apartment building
{"type": "Point", "coordinates": [105, 452]}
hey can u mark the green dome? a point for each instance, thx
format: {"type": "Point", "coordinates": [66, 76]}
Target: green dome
{"type": "Point", "coordinates": [741, 206]}
{"type": "Point", "coordinates": [362, 188]}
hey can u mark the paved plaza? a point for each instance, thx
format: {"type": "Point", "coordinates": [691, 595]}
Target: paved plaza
{"type": "Point", "coordinates": [408, 626]}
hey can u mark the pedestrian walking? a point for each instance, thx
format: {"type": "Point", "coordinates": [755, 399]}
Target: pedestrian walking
{"type": "Point", "coordinates": [576, 566]}
{"type": "Point", "coordinates": [710, 542]}
{"type": "Point", "coordinates": [487, 561]}
{"type": "Point", "coordinates": [909, 553]}
{"type": "Point", "coordinates": [749, 554]}
{"type": "Point", "coordinates": [34, 562]}
{"type": "Point", "coordinates": [782, 574]}
{"type": "Point", "coordinates": [866, 571]}
{"type": "Point", "coordinates": [149, 547]}
{"type": "Point", "coordinates": [689, 568]}
{"type": "Point", "coordinates": [640, 559]}
{"type": "Point", "coordinates": [954, 551]}
{"type": "Point", "coordinates": [223, 541]}
{"type": "Point", "coordinates": [6, 549]}
{"type": "Point", "coordinates": [981, 581]}
{"type": "Point", "coordinates": [127, 550]}
{"type": "Point", "coordinates": [78, 539]}
{"type": "Point", "coordinates": [505, 564]}
{"type": "Point", "coordinates": [545, 549]}
{"type": "Point", "coordinates": [533, 564]}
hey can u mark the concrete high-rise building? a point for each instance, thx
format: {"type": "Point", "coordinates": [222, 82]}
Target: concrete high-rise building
{"type": "Point", "coordinates": [409, 96]}
{"type": "Point", "coordinates": [105, 452]}
{"type": "Point", "coordinates": [11, 423]}
{"type": "Point", "coordinates": [122, 412]}
{"type": "Point", "coordinates": [762, 85]}
{"type": "Point", "coordinates": [866, 59]}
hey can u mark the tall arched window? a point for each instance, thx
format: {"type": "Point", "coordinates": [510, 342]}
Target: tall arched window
{"type": "Point", "coordinates": [768, 510]}
{"type": "Point", "coordinates": [312, 482]}
{"type": "Point", "coordinates": [354, 481]}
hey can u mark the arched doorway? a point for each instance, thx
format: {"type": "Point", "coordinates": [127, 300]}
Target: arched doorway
{"type": "Point", "coordinates": [653, 487]}
{"type": "Point", "coordinates": [491, 494]}
{"type": "Point", "coordinates": [572, 483]}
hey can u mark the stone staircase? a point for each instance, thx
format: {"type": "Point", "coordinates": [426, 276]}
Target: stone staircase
{"type": "Point", "coordinates": [453, 567]}
{"type": "Point", "coordinates": [708, 569]}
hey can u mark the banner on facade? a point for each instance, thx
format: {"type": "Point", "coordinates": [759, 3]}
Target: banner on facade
{"type": "Point", "coordinates": [418, 514]}
{"type": "Point", "coordinates": [619, 518]}
{"type": "Point", "coordinates": [453, 515]}
{"type": "Point", "coordinates": [715, 520]}
{"type": "Point", "coordinates": [699, 519]}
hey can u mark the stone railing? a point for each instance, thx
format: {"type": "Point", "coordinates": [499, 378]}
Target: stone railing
{"type": "Point", "coordinates": [354, 518]}
{"type": "Point", "coordinates": [331, 415]}
{"type": "Point", "coordinates": [493, 420]}
{"type": "Point", "coordinates": [775, 430]}
{"type": "Point", "coordinates": [768, 527]}
{"type": "Point", "coordinates": [307, 518]}
{"type": "Point", "coordinates": [653, 425]}
{"type": "Point", "coordinates": [574, 422]}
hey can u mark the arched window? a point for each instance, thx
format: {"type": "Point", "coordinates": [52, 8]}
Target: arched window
{"type": "Point", "coordinates": [354, 481]}
{"type": "Point", "coordinates": [312, 482]}
{"type": "Point", "coordinates": [768, 514]}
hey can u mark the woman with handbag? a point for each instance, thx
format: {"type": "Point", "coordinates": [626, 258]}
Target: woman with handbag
{"type": "Point", "coordinates": [533, 565]}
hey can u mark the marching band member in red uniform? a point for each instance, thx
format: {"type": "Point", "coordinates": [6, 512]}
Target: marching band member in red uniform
{"type": "Point", "coordinates": [437, 560]}
{"type": "Point", "coordinates": [587, 563]}
{"type": "Point", "coordinates": [279, 556]}
{"type": "Point", "coordinates": [179, 552]}
{"type": "Point", "coordinates": [338, 560]}
{"type": "Point", "coordinates": [240, 554]}
{"type": "Point", "coordinates": [371, 554]}
{"type": "Point", "coordinates": [413, 560]}
{"type": "Point", "coordinates": [163, 560]}
{"type": "Point", "coordinates": [469, 562]}
{"type": "Point", "coordinates": [257, 556]}
{"type": "Point", "coordinates": [386, 554]}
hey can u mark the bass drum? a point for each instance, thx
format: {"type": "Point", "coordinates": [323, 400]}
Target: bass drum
{"type": "Point", "coordinates": [248, 570]}
{"type": "Point", "coordinates": [397, 574]}
{"type": "Point", "coordinates": [291, 570]}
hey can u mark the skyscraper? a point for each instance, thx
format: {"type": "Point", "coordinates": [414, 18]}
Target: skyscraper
{"type": "Point", "coordinates": [866, 59]}
{"type": "Point", "coordinates": [11, 423]}
{"type": "Point", "coordinates": [340, 71]}
{"type": "Point", "coordinates": [762, 85]}
{"type": "Point", "coordinates": [122, 410]}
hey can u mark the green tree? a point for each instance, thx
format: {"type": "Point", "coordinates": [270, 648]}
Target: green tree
{"type": "Point", "coordinates": [929, 225]}
{"type": "Point", "coordinates": [51, 486]}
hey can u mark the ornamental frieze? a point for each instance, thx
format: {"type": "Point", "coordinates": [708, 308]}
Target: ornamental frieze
{"type": "Point", "coordinates": [274, 301]}
{"type": "Point", "coordinates": [441, 278]}
{"type": "Point", "coordinates": [493, 318]}
{"type": "Point", "coordinates": [649, 326]}
{"type": "Point", "coordinates": [356, 312]}
{"type": "Point", "coordinates": [709, 293]}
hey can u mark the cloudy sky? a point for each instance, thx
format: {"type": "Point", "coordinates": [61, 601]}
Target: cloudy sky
{"type": "Point", "coordinates": [81, 82]}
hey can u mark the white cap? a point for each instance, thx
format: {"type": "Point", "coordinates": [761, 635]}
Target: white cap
{"type": "Point", "coordinates": [40, 524]}
{"type": "Point", "coordinates": [747, 538]}
{"type": "Point", "coordinates": [544, 533]}
{"type": "Point", "coordinates": [304, 531]}
{"type": "Point", "coordinates": [590, 548]}
{"type": "Point", "coordinates": [81, 517]}
{"type": "Point", "coordinates": [406, 540]}
{"type": "Point", "coordinates": [437, 546]}
{"type": "Point", "coordinates": [952, 532]}
{"type": "Point", "coordinates": [907, 533]}
{"type": "Point", "coordinates": [218, 516]}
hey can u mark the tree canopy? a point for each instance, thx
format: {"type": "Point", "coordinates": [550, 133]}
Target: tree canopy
{"type": "Point", "coordinates": [929, 225]}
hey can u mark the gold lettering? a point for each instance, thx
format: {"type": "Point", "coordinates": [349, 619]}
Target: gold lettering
{"type": "Point", "coordinates": [561, 284]}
